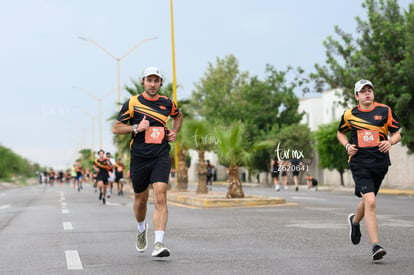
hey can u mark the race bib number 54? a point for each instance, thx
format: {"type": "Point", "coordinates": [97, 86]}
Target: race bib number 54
{"type": "Point", "coordinates": [154, 135]}
{"type": "Point", "coordinates": [368, 138]}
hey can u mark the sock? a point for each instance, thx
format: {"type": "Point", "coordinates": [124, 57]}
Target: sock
{"type": "Point", "coordinates": [141, 226]}
{"type": "Point", "coordinates": [374, 244]}
{"type": "Point", "coordinates": [159, 236]}
{"type": "Point", "coordinates": [354, 223]}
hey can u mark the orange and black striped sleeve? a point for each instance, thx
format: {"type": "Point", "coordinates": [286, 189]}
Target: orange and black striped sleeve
{"type": "Point", "coordinates": [344, 125]}
{"type": "Point", "coordinates": [392, 122]}
{"type": "Point", "coordinates": [175, 111]}
{"type": "Point", "coordinates": [125, 113]}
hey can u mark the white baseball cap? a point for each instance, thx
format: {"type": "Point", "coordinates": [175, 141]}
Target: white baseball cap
{"type": "Point", "coordinates": [361, 83]}
{"type": "Point", "coordinates": [152, 71]}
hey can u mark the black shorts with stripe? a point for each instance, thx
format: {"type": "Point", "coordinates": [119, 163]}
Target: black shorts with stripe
{"type": "Point", "coordinates": [367, 179]}
{"type": "Point", "coordinates": [145, 171]}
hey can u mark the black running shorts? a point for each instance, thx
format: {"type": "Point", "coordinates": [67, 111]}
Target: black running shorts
{"type": "Point", "coordinates": [119, 176]}
{"type": "Point", "coordinates": [102, 176]}
{"type": "Point", "coordinates": [146, 171]}
{"type": "Point", "coordinates": [275, 174]}
{"type": "Point", "coordinates": [367, 179]}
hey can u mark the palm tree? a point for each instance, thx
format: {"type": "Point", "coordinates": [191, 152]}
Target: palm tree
{"type": "Point", "coordinates": [197, 132]}
{"type": "Point", "coordinates": [184, 144]}
{"type": "Point", "coordinates": [181, 173]}
{"type": "Point", "coordinates": [234, 150]}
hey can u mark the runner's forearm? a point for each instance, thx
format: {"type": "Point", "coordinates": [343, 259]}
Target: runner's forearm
{"type": "Point", "coordinates": [120, 128]}
{"type": "Point", "coordinates": [342, 138]}
{"type": "Point", "coordinates": [395, 138]}
{"type": "Point", "coordinates": [177, 122]}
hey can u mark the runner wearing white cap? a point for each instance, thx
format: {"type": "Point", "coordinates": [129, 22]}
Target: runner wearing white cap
{"type": "Point", "coordinates": [145, 118]}
{"type": "Point", "coordinates": [369, 125]}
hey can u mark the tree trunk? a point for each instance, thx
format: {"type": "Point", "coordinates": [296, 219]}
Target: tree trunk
{"type": "Point", "coordinates": [235, 189]}
{"type": "Point", "coordinates": [202, 175]}
{"type": "Point", "coordinates": [181, 173]}
{"type": "Point", "coordinates": [341, 173]}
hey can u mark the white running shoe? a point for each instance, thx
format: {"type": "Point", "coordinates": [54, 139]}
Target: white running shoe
{"type": "Point", "coordinates": [160, 250]}
{"type": "Point", "coordinates": [141, 242]}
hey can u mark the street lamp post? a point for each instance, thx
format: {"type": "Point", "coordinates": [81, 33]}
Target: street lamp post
{"type": "Point", "coordinates": [92, 128]}
{"type": "Point", "coordinates": [176, 146]}
{"type": "Point", "coordinates": [118, 59]}
{"type": "Point", "coordinates": [99, 99]}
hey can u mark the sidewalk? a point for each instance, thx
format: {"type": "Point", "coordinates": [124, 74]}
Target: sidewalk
{"type": "Point", "coordinates": [337, 188]}
{"type": "Point", "coordinates": [384, 191]}
{"type": "Point", "coordinates": [218, 199]}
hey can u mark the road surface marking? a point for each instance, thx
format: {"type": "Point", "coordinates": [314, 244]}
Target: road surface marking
{"type": "Point", "coordinates": [5, 206]}
{"type": "Point", "coordinates": [113, 203]}
{"type": "Point", "coordinates": [73, 261]}
{"type": "Point", "coordinates": [308, 198]}
{"type": "Point", "coordinates": [307, 225]}
{"type": "Point", "coordinates": [65, 211]}
{"type": "Point", "coordinates": [67, 226]}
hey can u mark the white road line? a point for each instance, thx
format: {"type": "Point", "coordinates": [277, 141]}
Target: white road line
{"type": "Point", "coordinates": [308, 198]}
{"type": "Point", "coordinates": [73, 261]}
{"type": "Point", "coordinates": [112, 203]}
{"type": "Point", "coordinates": [67, 226]}
{"type": "Point", "coordinates": [4, 206]}
{"type": "Point", "coordinates": [65, 211]}
{"type": "Point", "coordinates": [63, 204]}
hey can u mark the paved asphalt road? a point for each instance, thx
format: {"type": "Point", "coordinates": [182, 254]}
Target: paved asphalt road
{"type": "Point", "coordinates": [56, 230]}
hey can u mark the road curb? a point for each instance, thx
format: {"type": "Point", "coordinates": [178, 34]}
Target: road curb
{"type": "Point", "coordinates": [217, 200]}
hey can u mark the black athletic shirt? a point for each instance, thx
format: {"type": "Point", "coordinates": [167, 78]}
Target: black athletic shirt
{"type": "Point", "coordinates": [368, 128]}
{"type": "Point", "coordinates": [157, 112]}
{"type": "Point", "coordinates": [104, 165]}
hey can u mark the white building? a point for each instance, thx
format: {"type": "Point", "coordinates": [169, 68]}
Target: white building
{"type": "Point", "coordinates": [324, 109]}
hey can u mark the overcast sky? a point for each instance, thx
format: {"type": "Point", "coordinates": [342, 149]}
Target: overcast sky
{"type": "Point", "coordinates": [43, 118]}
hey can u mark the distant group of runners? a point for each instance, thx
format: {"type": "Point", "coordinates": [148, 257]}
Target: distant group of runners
{"type": "Point", "coordinates": [108, 172]}
{"type": "Point", "coordinates": [295, 166]}
{"type": "Point", "coordinates": [103, 173]}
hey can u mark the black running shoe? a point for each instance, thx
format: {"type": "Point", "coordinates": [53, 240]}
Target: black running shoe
{"type": "Point", "coordinates": [103, 201]}
{"type": "Point", "coordinates": [354, 232]}
{"type": "Point", "coordinates": [378, 252]}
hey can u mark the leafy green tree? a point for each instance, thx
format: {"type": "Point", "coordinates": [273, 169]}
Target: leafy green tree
{"type": "Point", "coordinates": [293, 140]}
{"type": "Point", "coordinates": [215, 95]}
{"type": "Point", "coordinates": [12, 164]}
{"type": "Point", "coordinates": [271, 104]}
{"type": "Point", "coordinates": [331, 153]}
{"type": "Point", "coordinates": [383, 52]}
{"type": "Point", "coordinates": [225, 95]}
{"type": "Point", "coordinates": [86, 158]}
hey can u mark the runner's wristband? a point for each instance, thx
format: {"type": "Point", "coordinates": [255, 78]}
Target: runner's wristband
{"type": "Point", "coordinates": [347, 146]}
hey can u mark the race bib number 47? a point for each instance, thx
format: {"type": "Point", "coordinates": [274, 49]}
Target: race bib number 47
{"type": "Point", "coordinates": [368, 138]}
{"type": "Point", "coordinates": [154, 135]}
